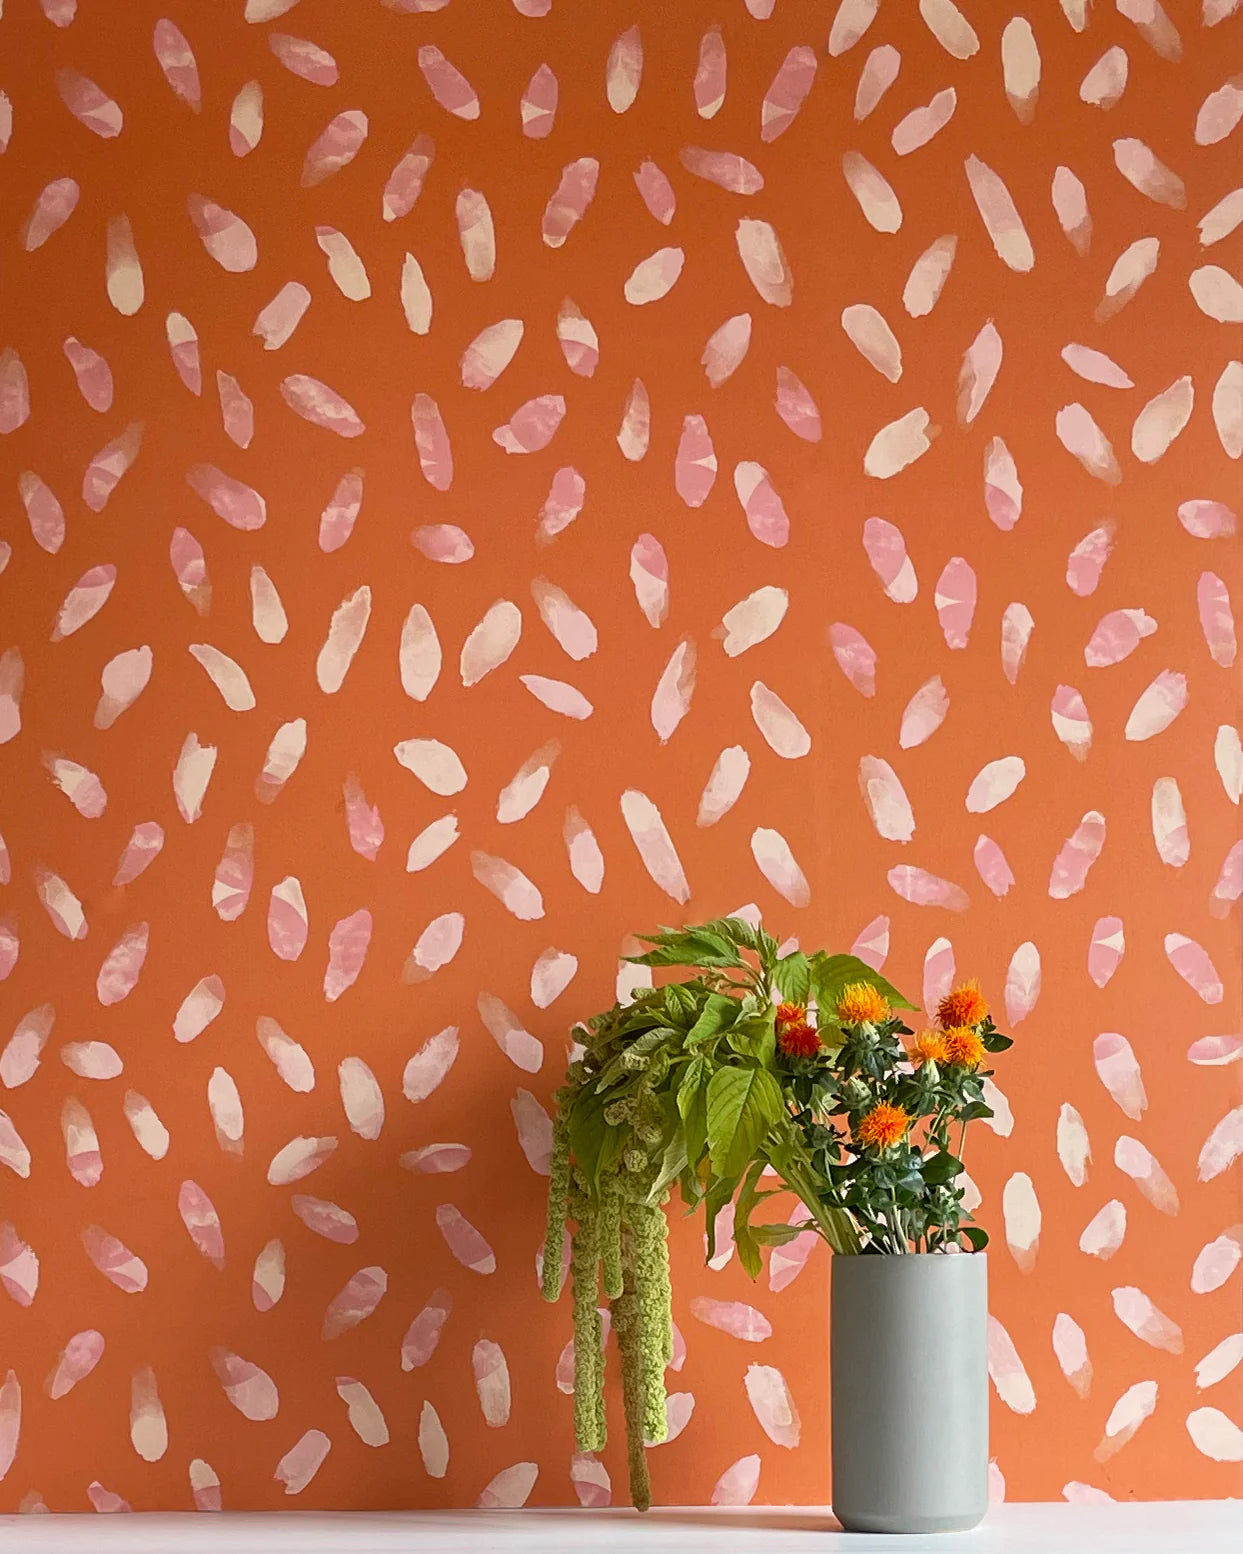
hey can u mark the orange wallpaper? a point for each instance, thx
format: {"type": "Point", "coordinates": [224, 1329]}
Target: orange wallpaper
{"type": "Point", "coordinates": [484, 478]}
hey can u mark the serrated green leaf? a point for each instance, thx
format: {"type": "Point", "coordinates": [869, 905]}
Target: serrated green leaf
{"type": "Point", "coordinates": [743, 1104]}
{"type": "Point", "coordinates": [735, 929]}
{"type": "Point", "coordinates": [673, 1163]}
{"type": "Point", "coordinates": [718, 1012]}
{"type": "Point", "coordinates": [682, 955]}
{"type": "Point", "coordinates": [679, 1006]}
{"type": "Point", "coordinates": [756, 1038]}
{"type": "Point", "coordinates": [748, 1250]}
{"type": "Point", "coordinates": [694, 1077]}
{"type": "Point", "coordinates": [714, 943]}
{"type": "Point", "coordinates": [831, 973]}
{"type": "Point", "coordinates": [693, 1108]}
{"type": "Point", "coordinates": [779, 1235]}
{"type": "Point", "coordinates": [941, 1167]}
{"type": "Point", "coordinates": [611, 1149]}
{"type": "Point", "coordinates": [595, 1146]}
{"type": "Point", "coordinates": [792, 977]}
{"type": "Point", "coordinates": [717, 1196]}
{"type": "Point", "coordinates": [691, 1189]}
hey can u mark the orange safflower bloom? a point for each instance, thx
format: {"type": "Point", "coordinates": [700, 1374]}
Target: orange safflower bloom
{"type": "Point", "coordinates": [883, 1125]}
{"type": "Point", "coordinates": [929, 1047]}
{"type": "Point", "coordinates": [966, 1005]}
{"type": "Point", "coordinates": [798, 1040]}
{"type": "Point", "coordinates": [860, 1004]}
{"type": "Point", "coordinates": [791, 1014]}
{"type": "Point", "coordinates": [963, 1047]}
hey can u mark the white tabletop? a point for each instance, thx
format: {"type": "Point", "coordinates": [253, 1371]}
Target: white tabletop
{"type": "Point", "coordinates": [1180, 1527]}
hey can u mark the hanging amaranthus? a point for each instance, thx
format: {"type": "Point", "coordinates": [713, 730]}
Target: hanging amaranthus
{"type": "Point", "coordinates": [754, 1061]}
{"type": "Point", "coordinates": [613, 1199]}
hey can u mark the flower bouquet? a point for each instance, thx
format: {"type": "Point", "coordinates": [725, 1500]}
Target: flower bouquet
{"type": "Point", "coordinates": [751, 1067]}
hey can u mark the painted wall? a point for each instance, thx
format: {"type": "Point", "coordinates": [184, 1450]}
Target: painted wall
{"type": "Point", "coordinates": [654, 466]}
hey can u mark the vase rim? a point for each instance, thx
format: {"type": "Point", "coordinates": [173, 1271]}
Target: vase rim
{"type": "Point", "coordinates": [909, 1259]}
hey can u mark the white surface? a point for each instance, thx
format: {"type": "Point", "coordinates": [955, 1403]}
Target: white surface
{"type": "Point", "coordinates": [1180, 1527]}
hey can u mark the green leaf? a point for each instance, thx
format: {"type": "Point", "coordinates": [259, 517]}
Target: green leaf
{"type": "Point", "coordinates": [748, 1250]}
{"type": "Point", "coordinates": [743, 1104]}
{"type": "Point", "coordinates": [595, 1145]}
{"type": "Point", "coordinates": [680, 955]}
{"type": "Point", "coordinates": [831, 973]}
{"type": "Point", "coordinates": [694, 1076]}
{"type": "Point", "coordinates": [755, 1037]}
{"type": "Point", "coordinates": [791, 977]}
{"type": "Point", "coordinates": [994, 1041]}
{"type": "Point", "coordinates": [717, 1196]}
{"type": "Point", "coordinates": [941, 1167]}
{"type": "Point", "coordinates": [687, 947]}
{"type": "Point", "coordinates": [672, 1164]}
{"type": "Point", "coordinates": [681, 1005]}
{"type": "Point", "coordinates": [693, 1108]}
{"type": "Point", "coordinates": [735, 929]}
{"type": "Point", "coordinates": [977, 1237]}
{"type": "Point", "coordinates": [714, 943]}
{"type": "Point", "coordinates": [779, 1235]}
{"type": "Point", "coordinates": [587, 1129]}
{"type": "Point", "coordinates": [718, 1011]}
{"type": "Point", "coordinates": [611, 1150]}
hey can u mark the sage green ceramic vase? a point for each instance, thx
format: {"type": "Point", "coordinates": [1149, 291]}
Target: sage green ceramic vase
{"type": "Point", "coordinates": [909, 1378]}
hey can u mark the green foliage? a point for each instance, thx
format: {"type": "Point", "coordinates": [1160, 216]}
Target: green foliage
{"type": "Point", "coordinates": [830, 974]}
{"type": "Point", "coordinates": [792, 977]}
{"type": "Point", "coordinates": [743, 1104]}
{"type": "Point", "coordinates": [778, 1234]}
{"type": "Point", "coordinates": [688, 1086]}
{"type": "Point", "coordinates": [718, 1012]}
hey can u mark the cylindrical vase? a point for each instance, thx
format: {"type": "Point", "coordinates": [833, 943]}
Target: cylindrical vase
{"type": "Point", "coordinates": [909, 1386]}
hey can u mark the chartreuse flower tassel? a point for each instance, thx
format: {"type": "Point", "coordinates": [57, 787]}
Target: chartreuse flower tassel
{"type": "Point", "coordinates": [558, 1210]}
{"type": "Point", "coordinates": [628, 1325]}
{"type": "Point", "coordinates": [610, 1243]}
{"type": "Point", "coordinates": [648, 1229]}
{"type": "Point", "coordinates": [589, 1421]}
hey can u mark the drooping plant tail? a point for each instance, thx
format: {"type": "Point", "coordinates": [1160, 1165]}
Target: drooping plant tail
{"type": "Point", "coordinates": [558, 1210]}
{"type": "Point", "coordinates": [625, 1238]}
{"type": "Point", "coordinates": [628, 1324]}
{"type": "Point", "coordinates": [649, 1230]}
{"type": "Point", "coordinates": [590, 1427]}
{"type": "Point", "coordinates": [610, 1242]}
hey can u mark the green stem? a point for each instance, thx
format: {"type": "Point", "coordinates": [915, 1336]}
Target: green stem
{"type": "Point", "coordinates": [893, 1219]}
{"type": "Point", "coordinates": [834, 1224]}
